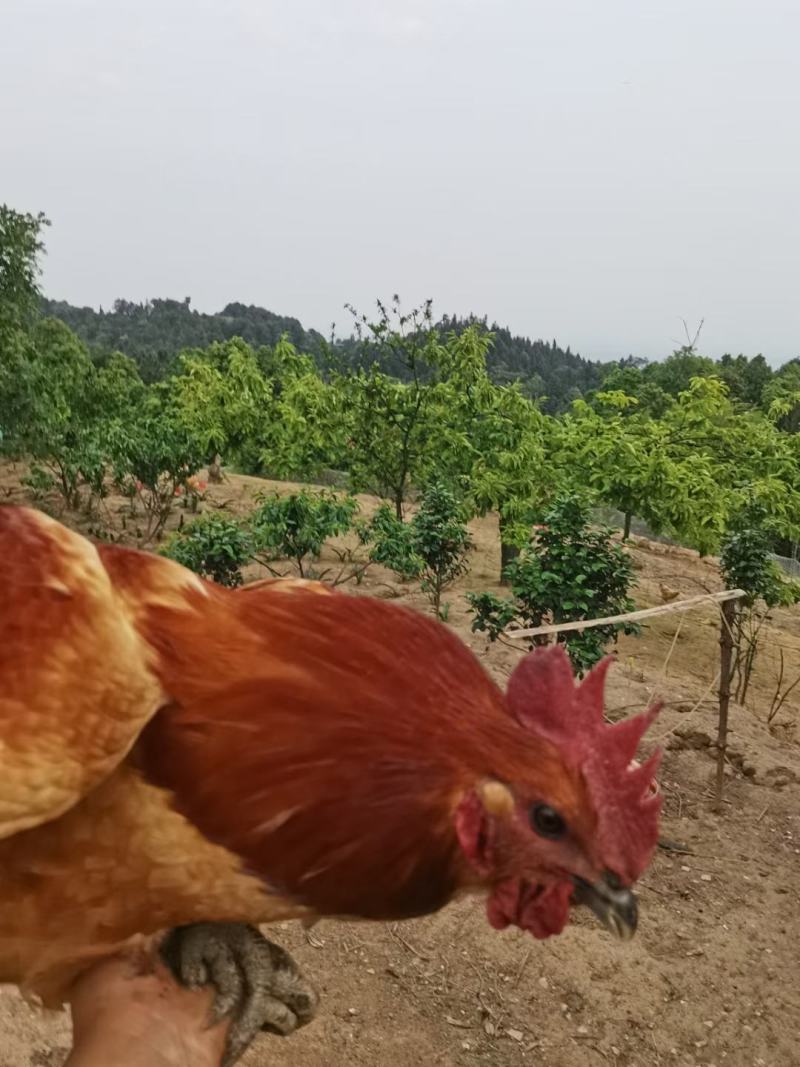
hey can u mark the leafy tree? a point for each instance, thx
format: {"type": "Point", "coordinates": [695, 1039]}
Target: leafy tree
{"type": "Point", "coordinates": [155, 456]}
{"type": "Point", "coordinates": [223, 399]}
{"type": "Point", "coordinates": [20, 248]}
{"type": "Point", "coordinates": [687, 472]}
{"type": "Point", "coordinates": [298, 525]}
{"type": "Point", "coordinates": [213, 546]}
{"type": "Point", "coordinates": [781, 397]}
{"type": "Point", "coordinates": [309, 428]}
{"type": "Point", "coordinates": [626, 460]}
{"type": "Point", "coordinates": [433, 546]}
{"type": "Point", "coordinates": [117, 388]}
{"type": "Point", "coordinates": [752, 461]}
{"type": "Point", "coordinates": [746, 378]}
{"type": "Point", "coordinates": [569, 571]}
{"type": "Point", "coordinates": [495, 441]}
{"type": "Point", "coordinates": [674, 374]}
{"type": "Point", "coordinates": [49, 413]}
{"type": "Point", "coordinates": [392, 424]}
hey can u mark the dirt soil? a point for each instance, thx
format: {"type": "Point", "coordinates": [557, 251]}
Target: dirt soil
{"type": "Point", "coordinates": [712, 977]}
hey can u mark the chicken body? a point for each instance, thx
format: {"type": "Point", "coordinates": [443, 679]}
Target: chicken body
{"type": "Point", "coordinates": [175, 752]}
{"type": "Point", "coordinates": [91, 854]}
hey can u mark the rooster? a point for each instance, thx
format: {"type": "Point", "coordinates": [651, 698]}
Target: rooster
{"type": "Point", "coordinates": [176, 755]}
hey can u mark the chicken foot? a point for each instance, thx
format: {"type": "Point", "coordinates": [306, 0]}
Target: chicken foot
{"type": "Point", "coordinates": [258, 984]}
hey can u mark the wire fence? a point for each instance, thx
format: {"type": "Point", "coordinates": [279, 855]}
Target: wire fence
{"type": "Point", "coordinates": [790, 565]}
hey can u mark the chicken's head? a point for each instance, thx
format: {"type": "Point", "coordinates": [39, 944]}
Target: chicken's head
{"type": "Point", "coordinates": [542, 840]}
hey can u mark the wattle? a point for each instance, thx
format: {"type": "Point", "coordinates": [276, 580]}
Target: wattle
{"type": "Point", "coordinates": [541, 910]}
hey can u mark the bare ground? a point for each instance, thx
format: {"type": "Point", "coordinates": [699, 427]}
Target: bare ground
{"type": "Point", "coordinates": [712, 977]}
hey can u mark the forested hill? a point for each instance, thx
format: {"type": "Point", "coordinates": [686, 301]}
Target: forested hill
{"type": "Point", "coordinates": [152, 333]}
{"type": "Point", "coordinates": [544, 367]}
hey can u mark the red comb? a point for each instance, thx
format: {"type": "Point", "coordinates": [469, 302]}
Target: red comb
{"type": "Point", "coordinates": [542, 695]}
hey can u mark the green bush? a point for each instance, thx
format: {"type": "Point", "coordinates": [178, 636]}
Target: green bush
{"type": "Point", "coordinates": [569, 571]}
{"type": "Point", "coordinates": [392, 544]}
{"type": "Point", "coordinates": [433, 546]}
{"type": "Point", "coordinates": [297, 526]}
{"type": "Point", "coordinates": [746, 563]}
{"type": "Point", "coordinates": [212, 546]}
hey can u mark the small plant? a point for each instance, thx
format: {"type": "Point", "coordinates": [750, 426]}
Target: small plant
{"type": "Point", "coordinates": [297, 526]}
{"type": "Point", "coordinates": [212, 546]}
{"type": "Point", "coordinates": [746, 563]}
{"type": "Point", "coordinates": [393, 544]}
{"type": "Point", "coordinates": [38, 481]}
{"type": "Point", "coordinates": [569, 571]}
{"type": "Point", "coordinates": [433, 546]}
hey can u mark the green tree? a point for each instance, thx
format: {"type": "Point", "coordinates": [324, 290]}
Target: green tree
{"type": "Point", "coordinates": [224, 401]}
{"type": "Point", "coordinates": [674, 374]}
{"type": "Point", "coordinates": [569, 571]}
{"type": "Point", "coordinates": [309, 428]}
{"type": "Point", "coordinates": [781, 397]}
{"type": "Point", "coordinates": [155, 456]}
{"type": "Point", "coordinates": [48, 409]}
{"type": "Point", "coordinates": [21, 246]}
{"type": "Point", "coordinates": [625, 458]}
{"type": "Point", "coordinates": [392, 425]}
{"type": "Point", "coordinates": [494, 441]}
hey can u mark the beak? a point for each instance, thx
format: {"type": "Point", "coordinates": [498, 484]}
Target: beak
{"type": "Point", "coordinates": [613, 904]}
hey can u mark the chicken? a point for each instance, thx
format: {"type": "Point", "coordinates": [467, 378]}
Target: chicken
{"type": "Point", "coordinates": [667, 592]}
{"type": "Point", "coordinates": [176, 753]}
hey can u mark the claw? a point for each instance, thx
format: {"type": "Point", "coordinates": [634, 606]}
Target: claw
{"type": "Point", "coordinates": [308, 925]}
{"type": "Point", "coordinates": [259, 986]}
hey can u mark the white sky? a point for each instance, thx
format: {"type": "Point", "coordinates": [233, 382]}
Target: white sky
{"type": "Point", "coordinates": [590, 170]}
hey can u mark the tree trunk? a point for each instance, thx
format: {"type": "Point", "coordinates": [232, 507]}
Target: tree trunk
{"type": "Point", "coordinates": [727, 624]}
{"type": "Point", "coordinates": [398, 506]}
{"type": "Point", "coordinates": [507, 553]}
{"type": "Point", "coordinates": [626, 533]}
{"type": "Point", "coordinates": [215, 469]}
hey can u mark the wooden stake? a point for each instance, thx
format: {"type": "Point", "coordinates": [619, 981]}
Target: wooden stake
{"type": "Point", "coordinates": [728, 615]}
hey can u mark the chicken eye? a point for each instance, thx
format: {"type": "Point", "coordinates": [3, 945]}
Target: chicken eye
{"type": "Point", "coordinates": [547, 822]}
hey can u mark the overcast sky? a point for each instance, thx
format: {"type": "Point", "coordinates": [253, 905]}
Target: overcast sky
{"type": "Point", "coordinates": [590, 170]}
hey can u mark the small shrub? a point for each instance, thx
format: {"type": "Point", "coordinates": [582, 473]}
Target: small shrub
{"type": "Point", "coordinates": [393, 544]}
{"type": "Point", "coordinates": [746, 563]}
{"type": "Point", "coordinates": [212, 546]}
{"type": "Point", "coordinates": [38, 481]}
{"type": "Point", "coordinates": [433, 546]}
{"type": "Point", "coordinates": [569, 571]}
{"type": "Point", "coordinates": [297, 526]}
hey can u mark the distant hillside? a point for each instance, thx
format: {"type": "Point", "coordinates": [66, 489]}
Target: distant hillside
{"type": "Point", "coordinates": [543, 367]}
{"type": "Point", "coordinates": [154, 332]}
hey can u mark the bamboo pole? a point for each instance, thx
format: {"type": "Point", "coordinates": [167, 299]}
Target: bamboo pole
{"type": "Point", "coordinates": [728, 614]}
{"type": "Point", "coordinates": [728, 596]}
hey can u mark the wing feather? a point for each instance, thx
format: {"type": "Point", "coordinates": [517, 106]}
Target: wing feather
{"type": "Point", "coordinates": [76, 685]}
